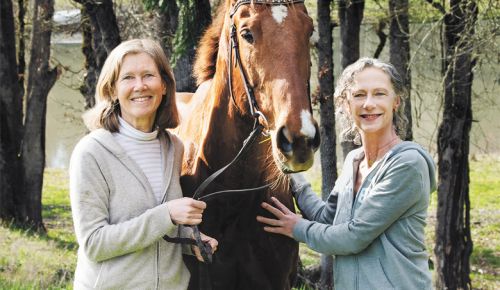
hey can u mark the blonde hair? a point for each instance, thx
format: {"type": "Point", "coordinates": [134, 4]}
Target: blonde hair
{"type": "Point", "coordinates": [348, 130]}
{"type": "Point", "coordinates": [107, 109]}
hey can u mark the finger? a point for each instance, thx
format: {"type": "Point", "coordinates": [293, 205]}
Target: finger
{"type": "Point", "coordinates": [274, 230]}
{"type": "Point", "coordinates": [195, 216]}
{"type": "Point", "coordinates": [192, 222]}
{"type": "Point", "coordinates": [213, 244]}
{"type": "Point", "coordinates": [269, 221]}
{"type": "Point", "coordinates": [197, 253]}
{"type": "Point", "coordinates": [278, 213]}
{"type": "Point", "coordinates": [211, 241]}
{"type": "Point", "coordinates": [198, 204]}
{"type": "Point", "coordinates": [280, 205]}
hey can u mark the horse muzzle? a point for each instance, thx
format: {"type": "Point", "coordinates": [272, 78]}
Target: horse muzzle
{"type": "Point", "coordinates": [295, 153]}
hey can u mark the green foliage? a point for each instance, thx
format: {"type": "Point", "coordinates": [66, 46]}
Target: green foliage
{"type": "Point", "coordinates": [419, 11]}
{"type": "Point", "coordinates": [161, 5]}
{"type": "Point", "coordinates": [184, 40]}
{"type": "Point", "coordinates": [186, 34]}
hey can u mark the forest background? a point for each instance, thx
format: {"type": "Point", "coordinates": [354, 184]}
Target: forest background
{"type": "Point", "coordinates": [41, 253]}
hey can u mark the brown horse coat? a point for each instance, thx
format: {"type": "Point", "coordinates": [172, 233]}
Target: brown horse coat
{"type": "Point", "coordinates": [276, 60]}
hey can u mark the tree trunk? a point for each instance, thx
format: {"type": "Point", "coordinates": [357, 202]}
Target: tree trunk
{"type": "Point", "coordinates": [194, 17]}
{"type": "Point", "coordinates": [100, 36]}
{"type": "Point", "coordinates": [350, 16]}
{"type": "Point", "coordinates": [453, 238]}
{"type": "Point", "coordinates": [87, 88]}
{"type": "Point", "coordinates": [399, 38]}
{"type": "Point", "coordinates": [21, 66]}
{"type": "Point", "coordinates": [166, 21]}
{"type": "Point", "coordinates": [10, 115]}
{"type": "Point", "coordinates": [40, 80]}
{"type": "Point", "coordinates": [327, 125]}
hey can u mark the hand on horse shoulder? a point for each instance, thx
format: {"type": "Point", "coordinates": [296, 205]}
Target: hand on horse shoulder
{"type": "Point", "coordinates": [186, 211]}
{"type": "Point", "coordinates": [285, 221]}
{"type": "Point", "coordinates": [206, 239]}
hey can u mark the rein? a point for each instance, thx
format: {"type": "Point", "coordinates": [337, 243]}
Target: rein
{"type": "Point", "coordinates": [205, 249]}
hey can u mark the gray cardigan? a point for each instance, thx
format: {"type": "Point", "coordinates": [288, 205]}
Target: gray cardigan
{"type": "Point", "coordinates": [377, 238]}
{"type": "Point", "coordinates": [118, 222]}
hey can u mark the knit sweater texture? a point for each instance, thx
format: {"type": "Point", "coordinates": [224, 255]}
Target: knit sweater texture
{"type": "Point", "coordinates": [144, 148]}
{"type": "Point", "coordinates": [118, 223]}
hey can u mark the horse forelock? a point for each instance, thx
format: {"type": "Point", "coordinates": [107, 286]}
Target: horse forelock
{"type": "Point", "coordinates": [207, 52]}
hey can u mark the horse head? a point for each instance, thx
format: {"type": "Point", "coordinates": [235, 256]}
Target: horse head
{"type": "Point", "coordinates": [264, 50]}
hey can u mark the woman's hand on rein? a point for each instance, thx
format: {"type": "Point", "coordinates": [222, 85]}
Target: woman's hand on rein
{"type": "Point", "coordinates": [285, 221]}
{"type": "Point", "coordinates": [211, 241]}
{"type": "Point", "coordinates": [186, 211]}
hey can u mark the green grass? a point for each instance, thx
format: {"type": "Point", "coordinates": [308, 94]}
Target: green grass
{"type": "Point", "coordinates": [33, 261]}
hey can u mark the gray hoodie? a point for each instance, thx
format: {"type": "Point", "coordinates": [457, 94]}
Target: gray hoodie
{"type": "Point", "coordinates": [118, 223]}
{"type": "Point", "coordinates": [378, 236]}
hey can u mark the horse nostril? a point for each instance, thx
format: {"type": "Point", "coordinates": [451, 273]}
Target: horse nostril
{"type": "Point", "coordinates": [314, 142]}
{"type": "Point", "coordinates": [284, 143]}
{"type": "Point", "coordinates": [317, 139]}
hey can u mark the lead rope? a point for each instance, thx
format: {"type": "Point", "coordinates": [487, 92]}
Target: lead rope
{"type": "Point", "coordinates": [205, 249]}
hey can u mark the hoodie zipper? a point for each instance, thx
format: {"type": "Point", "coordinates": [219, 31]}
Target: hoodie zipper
{"type": "Point", "coordinates": [380, 165]}
{"type": "Point", "coordinates": [157, 265]}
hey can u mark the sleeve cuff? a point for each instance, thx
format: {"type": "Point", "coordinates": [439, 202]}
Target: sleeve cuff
{"type": "Point", "coordinates": [298, 183]}
{"type": "Point", "coordinates": [163, 220]}
{"type": "Point", "coordinates": [300, 229]}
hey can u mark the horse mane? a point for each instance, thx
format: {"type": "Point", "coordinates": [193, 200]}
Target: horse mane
{"type": "Point", "coordinates": [208, 47]}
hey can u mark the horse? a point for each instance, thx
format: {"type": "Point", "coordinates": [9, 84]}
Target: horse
{"type": "Point", "coordinates": [252, 66]}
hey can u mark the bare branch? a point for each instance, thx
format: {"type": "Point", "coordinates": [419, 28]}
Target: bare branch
{"type": "Point", "coordinates": [382, 36]}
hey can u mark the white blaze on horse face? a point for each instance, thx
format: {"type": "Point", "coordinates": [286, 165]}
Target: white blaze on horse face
{"type": "Point", "coordinates": [308, 128]}
{"type": "Point", "coordinates": [279, 13]}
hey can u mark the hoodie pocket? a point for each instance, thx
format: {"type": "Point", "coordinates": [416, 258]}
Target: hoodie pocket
{"type": "Point", "coordinates": [372, 275]}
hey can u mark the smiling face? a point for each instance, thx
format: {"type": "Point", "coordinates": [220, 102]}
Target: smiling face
{"type": "Point", "coordinates": [139, 89]}
{"type": "Point", "coordinates": [372, 101]}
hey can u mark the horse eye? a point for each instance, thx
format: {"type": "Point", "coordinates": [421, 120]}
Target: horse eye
{"type": "Point", "coordinates": [247, 35]}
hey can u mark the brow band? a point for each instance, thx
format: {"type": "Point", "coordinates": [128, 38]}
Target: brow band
{"type": "Point", "coordinates": [265, 2]}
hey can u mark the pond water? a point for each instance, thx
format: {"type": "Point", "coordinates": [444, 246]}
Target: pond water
{"type": "Point", "coordinates": [65, 103]}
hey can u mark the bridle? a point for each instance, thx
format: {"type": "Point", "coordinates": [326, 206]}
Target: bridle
{"type": "Point", "coordinates": [258, 128]}
{"type": "Point", "coordinates": [234, 45]}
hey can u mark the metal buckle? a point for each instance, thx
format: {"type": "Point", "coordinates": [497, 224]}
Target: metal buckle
{"type": "Point", "coordinates": [258, 114]}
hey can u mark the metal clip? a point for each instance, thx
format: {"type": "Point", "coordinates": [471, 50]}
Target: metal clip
{"type": "Point", "coordinates": [258, 114]}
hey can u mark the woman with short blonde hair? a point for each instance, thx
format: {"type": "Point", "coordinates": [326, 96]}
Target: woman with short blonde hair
{"type": "Point", "coordinates": [125, 190]}
{"type": "Point", "coordinates": [106, 111]}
